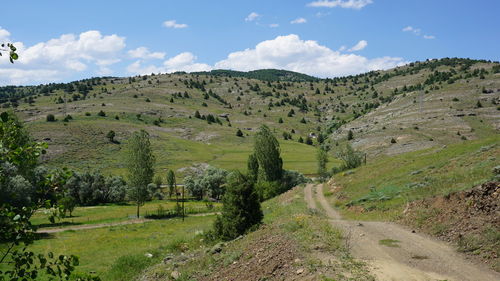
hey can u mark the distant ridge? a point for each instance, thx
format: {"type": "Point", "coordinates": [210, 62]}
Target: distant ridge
{"type": "Point", "coordinates": [263, 74]}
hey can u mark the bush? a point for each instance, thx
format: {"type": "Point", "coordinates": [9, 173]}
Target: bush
{"type": "Point", "coordinates": [51, 118]}
{"type": "Point", "coordinates": [352, 158]}
{"type": "Point", "coordinates": [101, 113]}
{"type": "Point", "coordinates": [239, 133]}
{"type": "Point", "coordinates": [241, 209]}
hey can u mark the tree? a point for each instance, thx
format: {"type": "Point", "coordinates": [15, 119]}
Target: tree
{"type": "Point", "coordinates": [140, 161]}
{"type": "Point", "coordinates": [239, 133]}
{"type": "Point", "coordinates": [350, 135]}
{"type": "Point", "coordinates": [171, 183]}
{"type": "Point", "coordinates": [309, 140]}
{"type": "Point", "coordinates": [213, 180]}
{"type": "Point", "coordinates": [267, 151]}
{"type": "Point", "coordinates": [111, 136]}
{"type": "Point", "coordinates": [241, 208]}
{"type": "Point", "coordinates": [301, 140]}
{"type": "Point", "coordinates": [50, 118]}
{"type": "Point", "coordinates": [322, 158]}
{"type": "Point", "coordinates": [69, 204]}
{"type": "Point", "coordinates": [352, 158]}
{"type": "Point", "coordinates": [253, 167]}
{"type": "Point", "coordinates": [25, 188]}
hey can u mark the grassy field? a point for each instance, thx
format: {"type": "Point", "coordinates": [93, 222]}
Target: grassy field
{"type": "Point", "coordinates": [99, 249]}
{"type": "Point", "coordinates": [114, 213]}
{"type": "Point", "coordinates": [381, 189]}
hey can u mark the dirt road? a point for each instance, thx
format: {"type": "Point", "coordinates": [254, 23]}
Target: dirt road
{"type": "Point", "coordinates": [101, 225]}
{"type": "Point", "coordinates": [395, 253]}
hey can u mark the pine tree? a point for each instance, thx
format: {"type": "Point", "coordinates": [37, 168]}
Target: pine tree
{"type": "Point", "coordinates": [241, 208]}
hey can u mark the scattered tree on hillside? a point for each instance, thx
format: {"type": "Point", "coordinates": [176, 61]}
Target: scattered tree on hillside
{"type": "Point", "coordinates": [241, 208]}
{"type": "Point", "coordinates": [111, 136]}
{"type": "Point", "coordinates": [351, 158]}
{"type": "Point", "coordinates": [350, 135]}
{"type": "Point", "coordinates": [239, 133]}
{"type": "Point", "coordinates": [140, 161]}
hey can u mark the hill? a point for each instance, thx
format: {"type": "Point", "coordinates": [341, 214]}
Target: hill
{"type": "Point", "coordinates": [194, 118]}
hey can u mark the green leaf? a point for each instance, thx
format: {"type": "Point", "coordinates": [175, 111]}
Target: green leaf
{"type": "Point", "coordinates": [4, 116]}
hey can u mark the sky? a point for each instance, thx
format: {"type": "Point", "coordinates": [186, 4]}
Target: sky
{"type": "Point", "coordinates": [62, 41]}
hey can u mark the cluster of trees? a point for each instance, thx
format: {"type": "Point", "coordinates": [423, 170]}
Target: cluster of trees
{"type": "Point", "coordinates": [25, 188]}
{"type": "Point", "coordinates": [88, 189]}
{"type": "Point", "coordinates": [208, 182]}
{"type": "Point", "coordinates": [265, 166]}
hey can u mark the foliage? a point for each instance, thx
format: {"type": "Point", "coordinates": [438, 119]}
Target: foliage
{"type": "Point", "coordinates": [9, 47]}
{"type": "Point", "coordinates": [253, 167]}
{"type": "Point", "coordinates": [209, 182]}
{"type": "Point", "coordinates": [241, 210]}
{"type": "Point", "coordinates": [139, 163]}
{"type": "Point", "coordinates": [322, 157]}
{"type": "Point", "coordinates": [24, 190]}
{"type": "Point", "coordinates": [88, 189]}
{"type": "Point", "coordinates": [171, 183]}
{"type": "Point", "coordinates": [267, 151]}
{"type": "Point", "coordinates": [111, 136]}
{"type": "Point", "coordinates": [351, 158]}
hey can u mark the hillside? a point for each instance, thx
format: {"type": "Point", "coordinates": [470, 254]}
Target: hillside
{"type": "Point", "coordinates": [411, 104]}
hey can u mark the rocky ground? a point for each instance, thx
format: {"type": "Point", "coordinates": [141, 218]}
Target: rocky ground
{"type": "Point", "coordinates": [470, 219]}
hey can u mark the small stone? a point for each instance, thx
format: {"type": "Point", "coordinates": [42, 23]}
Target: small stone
{"type": "Point", "coordinates": [175, 274]}
{"type": "Point", "coordinates": [300, 271]}
{"type": "Point", "coordinates": [296, 261]}
{"type": "Point", "coordinates": [148, 255]}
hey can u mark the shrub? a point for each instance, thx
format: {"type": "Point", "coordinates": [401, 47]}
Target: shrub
{"type": "Point", "coordinates": [241, 209]}
{"type": "Point", "coordinates": [51, 118]}
{"type": "Point", "coordinates": [239, 133]}
{"type": "Point", "coordinates": [393, 140]}
{"type": "Point", "coordinates": [351, 158]}
{"type": "Point", "coordinates": [101, 113]}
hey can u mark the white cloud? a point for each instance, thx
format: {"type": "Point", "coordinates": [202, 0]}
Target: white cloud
{"type": "Point", "coordinates": [412, 29]}
{"type": "Point", "coordinates": [274, 25]}
{"type": "Point", "coordinates": [144, 53]}
{"type": "Point", "coordinates": [359, 46]}
{"type": "Point", "coordinates": [252, 16]}
{"type": "Point", "coordinates": [174, 24]}
{"type": "Point", "coordinates": [4, 35]}
{"type": "Point", "coordinates": [306, 56]}
{"type": "Point", "coordinates": [418, 32]}
{"type": "Point", "coordinates": [347, 4]}
{"type": "Point", "coordinates": [298, 21]}
{"type": "Point", "coordinates": [182, 62]}
{"type": "Point", "coordinates": [61, 57]}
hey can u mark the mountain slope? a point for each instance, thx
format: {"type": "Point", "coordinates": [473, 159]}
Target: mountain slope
{"type": "Point", "coordinates": [412, 104]}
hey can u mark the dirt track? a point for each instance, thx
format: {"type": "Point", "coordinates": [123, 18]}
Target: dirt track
{"type": "Point", "coordinates": [413, 257]}
{"type": "Point", "coordinates": [101, 225]}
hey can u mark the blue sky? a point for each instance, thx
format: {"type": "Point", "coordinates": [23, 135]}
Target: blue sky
{"type": "Point", "coordinates": [61, 41]}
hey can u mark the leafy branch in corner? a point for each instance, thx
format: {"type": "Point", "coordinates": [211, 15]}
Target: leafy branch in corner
{"type": "Point", "coordinates": [9, 47]}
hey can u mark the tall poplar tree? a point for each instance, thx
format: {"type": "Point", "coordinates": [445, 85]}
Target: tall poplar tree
{"type": "Point", "coordinates": [267, 152]}
{"type": "Point", "coordinates": [140, 162]}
